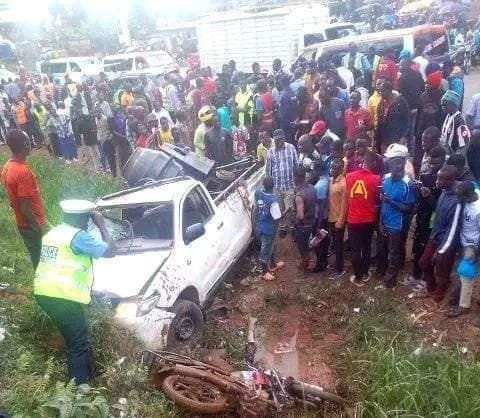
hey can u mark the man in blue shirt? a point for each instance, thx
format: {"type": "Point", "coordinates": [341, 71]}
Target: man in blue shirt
{"type": "Point", "coordinates": [268, 214]}
{"type": "Point", "coordinates": [321, 183]}
{"type": "Point", "coordinates": [397, 204]}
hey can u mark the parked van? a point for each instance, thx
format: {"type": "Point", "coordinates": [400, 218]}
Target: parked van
{"type": "Point", "coordinates": [433, 40]}
{"type": "Point", "coordinates": [322, 33]}
{"type": "Point", "coordinates": [155, 62]}
{"type": "Point", "coordinates": [78, 68]}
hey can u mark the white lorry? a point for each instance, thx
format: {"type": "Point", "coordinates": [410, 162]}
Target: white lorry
{"type": "Point", "coordinates": [177, 238]}
{"type": "Point", "coordinates": [258, 36]}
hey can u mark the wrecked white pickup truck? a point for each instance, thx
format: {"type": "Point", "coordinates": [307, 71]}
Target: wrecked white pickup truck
{"type": "Point", "coordinates": [177, 238]}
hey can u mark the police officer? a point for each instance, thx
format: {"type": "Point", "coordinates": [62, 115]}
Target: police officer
{"type": "Point", "coordinates": [64, 278]}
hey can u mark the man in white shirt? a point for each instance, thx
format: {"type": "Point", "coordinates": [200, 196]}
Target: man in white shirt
{"type": "Point", "coordinates": [421, 61]}
{"type": "Point", "coordinates": [469, 239]}
{"type": "Point", "coordinates": [160, 112]}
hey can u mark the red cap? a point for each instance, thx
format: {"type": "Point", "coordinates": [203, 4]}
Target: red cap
{"type": "Point", "coordinates": [318, 126]}
{"type": "Point", "coordinates": [435, 79]}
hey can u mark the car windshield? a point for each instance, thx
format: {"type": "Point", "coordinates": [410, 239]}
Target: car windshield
{"type": "Point", "coordinates": [340, 32]}
{"type": "Point", "coordinates": [158, 60]}
{"type": "Point", "coordinates": [53, 67]}
{"type": "Point", "coordinates": [153, 221]}
{"type": "Point", "coordinates": [433, 44]}
{"type": "Point", "coordinates": [118, 64]}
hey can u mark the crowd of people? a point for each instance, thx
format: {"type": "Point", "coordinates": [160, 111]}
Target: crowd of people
{"type": "Point", "coordinates": [373, 148]}
{"type": "Point", "coordinates": [360, 172]}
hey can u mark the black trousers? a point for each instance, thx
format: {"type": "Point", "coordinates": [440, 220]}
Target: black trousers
{"type": "Point", "coordinates": [109, 150]}
{"type": "Point", "coordinates": [321, 250]}
{"type": "Point", "coordinates": [360, 237]}
{"type": "Point", "coordinates": [69, 317]}
{"type": "Point", "coordinates": [337, 237]}
{"type": "Point", "coordinates": [420, 238]}
{"type": "Point", "coordinates": [33, 241]}
{"type": "Point", "coordinates": [55, 144]}
{"type": "Point", "coordinates": [391, 255]}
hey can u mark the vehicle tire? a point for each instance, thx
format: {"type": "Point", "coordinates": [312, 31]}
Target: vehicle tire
{"type": "Point", "coordinates": [196, 395]}
{"type": "Point", "coordinates": [304, 390]}
{"type": "Point", "coordinates": [187, 326]}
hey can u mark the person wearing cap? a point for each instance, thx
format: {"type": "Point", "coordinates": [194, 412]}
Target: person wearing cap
{"type": "Point", "coordinates": [396, 210]}
{"type": "Point", "coordinates": [454, 76]}
{"type": "Point", "coordinates": [467, 270]}
{"type": "Point", "coordinates": [280, 163]}
{"type": "Point", "coordinates": [455, 133]}
{"type": "Point", "coordinates": [64, 279]}
{"type": "Point", "coordinates": [320, 130]}
{"type": "Point", "coordinates": [205, 115]}
{"type": "Point", "coordinates": [24, 194]}
{"type": "Point", "coordinates": [430, 112]}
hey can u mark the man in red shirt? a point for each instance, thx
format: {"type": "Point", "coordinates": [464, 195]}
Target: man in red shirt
{"type": "Point", "coordinates": [357, 119]}
{"type": "Point", "coordinates": [387, 68]}
{"type": "Point", "coordinates": [362, 194]}
{"type": "Point", "coordinates": [22, 190]}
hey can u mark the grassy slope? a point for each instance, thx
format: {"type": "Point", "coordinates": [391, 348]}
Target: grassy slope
{"type": "Point", "coordinates": [32, 356]}
{"type": "Point", "coordinates": [378, 361]}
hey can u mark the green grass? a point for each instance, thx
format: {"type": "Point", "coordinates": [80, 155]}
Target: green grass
{"type": "Point", "coordinates": [380, 372]}
{"type": "Point", "coordinates": [390, 378]}
{"type": "Point", "coordinates": [32, 357]}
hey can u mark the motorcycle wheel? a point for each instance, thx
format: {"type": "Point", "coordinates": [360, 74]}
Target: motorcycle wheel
{"type": "Point", "coordinates": [196, 395]}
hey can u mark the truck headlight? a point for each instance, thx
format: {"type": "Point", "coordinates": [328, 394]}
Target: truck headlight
{"type": "Point", "coordinates": [145, 306]}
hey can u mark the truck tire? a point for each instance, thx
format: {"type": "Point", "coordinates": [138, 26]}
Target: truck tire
{"type": "Point", "coordinates": [187, 326]}
{"type": "Point", "coordinates": [195, 395]}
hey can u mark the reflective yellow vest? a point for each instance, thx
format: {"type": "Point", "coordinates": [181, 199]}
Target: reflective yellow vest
{"type": "Point", "coordinates": [61, 273]}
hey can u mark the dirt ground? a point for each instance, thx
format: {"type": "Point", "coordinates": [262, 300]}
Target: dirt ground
{"type": "Point", "coordinates": [302, 319]}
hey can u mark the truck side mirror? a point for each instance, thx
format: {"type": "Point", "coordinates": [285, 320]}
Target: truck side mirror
{"type": "Point", "coordinates": [193, 232]}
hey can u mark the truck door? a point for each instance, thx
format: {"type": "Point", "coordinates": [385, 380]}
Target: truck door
{"type": "Point", "coordinates": [199, 252]}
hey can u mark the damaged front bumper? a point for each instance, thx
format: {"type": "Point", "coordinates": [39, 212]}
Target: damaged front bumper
{"type": "Point", "coordinates": [151, 329]}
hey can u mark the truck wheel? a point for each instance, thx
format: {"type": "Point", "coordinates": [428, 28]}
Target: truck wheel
{"type": "Point", "coordinates": [187, 326]}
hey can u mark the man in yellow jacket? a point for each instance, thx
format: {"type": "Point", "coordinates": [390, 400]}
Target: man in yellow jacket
{"type": "Point", "coordinates": [64, 279]}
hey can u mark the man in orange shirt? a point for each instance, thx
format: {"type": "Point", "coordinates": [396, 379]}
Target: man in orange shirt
{"type": "Point", "coordinates": [22, 190]}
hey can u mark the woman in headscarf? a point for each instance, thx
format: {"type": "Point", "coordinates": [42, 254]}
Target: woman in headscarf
{"type": "Point", "coordinates": [455, 133]}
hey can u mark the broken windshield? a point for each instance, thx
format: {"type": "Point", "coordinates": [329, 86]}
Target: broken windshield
{"type": "Point", "coordinates": [149, 221]}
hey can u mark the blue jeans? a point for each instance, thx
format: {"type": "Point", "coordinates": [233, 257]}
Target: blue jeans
{"type": "Point", "coordinates": [266, 249]}
{"type": "Point", "coordinates": [68, 147]}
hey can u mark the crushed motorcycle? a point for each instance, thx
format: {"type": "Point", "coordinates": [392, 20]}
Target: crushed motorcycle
{"type": "Point", "coordinates": [206, 389]}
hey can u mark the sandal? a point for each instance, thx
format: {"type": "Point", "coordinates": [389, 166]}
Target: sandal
{"type": "Point", "coordinates": [268, 277]}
